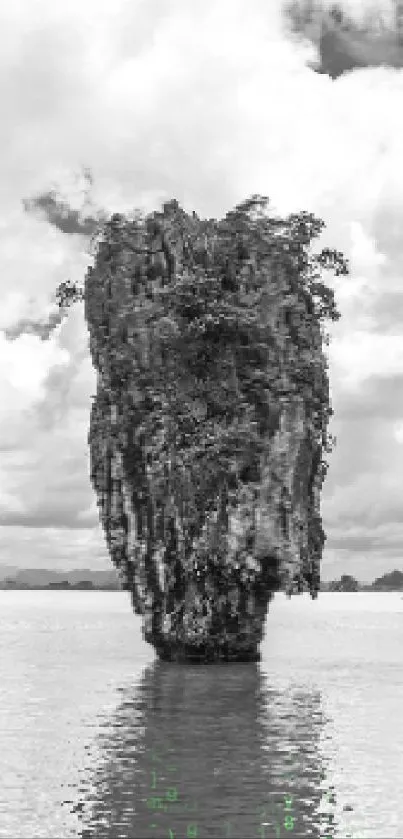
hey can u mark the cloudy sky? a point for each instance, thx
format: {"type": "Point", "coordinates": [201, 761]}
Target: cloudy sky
{"type": "Point", "coordinates": [206, 101]}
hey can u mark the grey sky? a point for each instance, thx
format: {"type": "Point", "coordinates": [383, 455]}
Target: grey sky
{"type": "Point", "coordinates": [206, 102]}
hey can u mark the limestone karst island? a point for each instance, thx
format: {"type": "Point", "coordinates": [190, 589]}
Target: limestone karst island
{"type": "Point", "coordinates": [209, 426]}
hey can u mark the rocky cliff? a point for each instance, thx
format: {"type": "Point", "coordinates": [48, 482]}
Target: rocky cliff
{"type": "Point", "coordinates": [209, 422]}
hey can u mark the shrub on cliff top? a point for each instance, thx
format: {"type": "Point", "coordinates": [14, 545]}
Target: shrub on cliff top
{"type": "Point", "coordinates": [205, 290]}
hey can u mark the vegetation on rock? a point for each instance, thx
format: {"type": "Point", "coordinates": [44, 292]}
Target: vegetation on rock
{"type": "Point", "coordinates": [210, 425]}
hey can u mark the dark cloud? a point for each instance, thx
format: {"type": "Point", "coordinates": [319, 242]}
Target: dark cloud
{"type": "Point", "coordinates": [58, 211]}
{"type": "Point", "coordinates": [29, 326]}
{"type": "Point", "coordinates": [344, 44]}
{"type": "Point", "coordinates": [343, 51]}
{"type": "Point", "coordinates": [60, 215]}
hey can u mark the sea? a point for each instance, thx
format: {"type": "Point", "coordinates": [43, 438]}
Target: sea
{"type": "Point", "coordinates": [98, 738]}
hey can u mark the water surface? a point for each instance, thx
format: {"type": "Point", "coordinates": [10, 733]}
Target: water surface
{"type": "Point", "coordinates": [98, 738]}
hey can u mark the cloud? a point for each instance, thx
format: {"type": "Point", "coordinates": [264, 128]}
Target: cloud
{"type": "Point", "coordinates": [58, 211]}
{"type": "Point", "coordinates": [41, 328]}
{"type": "Point", "coordinates": [206, 102]}
{"type": "Point", "coordinates": [348, 36]}
{"type": "Point", "coordinates": [61, 215]}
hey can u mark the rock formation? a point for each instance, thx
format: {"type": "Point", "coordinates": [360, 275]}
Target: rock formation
{"type": "Point", "coordinates": [209, 422]}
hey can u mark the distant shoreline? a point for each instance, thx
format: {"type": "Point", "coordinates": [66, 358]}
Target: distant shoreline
{"type": "Point", "coordinates": [81, 587]}
{"type": "Point", "coordinates": [86, 579]}
{"type": "Point", "coordinates": [57, 587]}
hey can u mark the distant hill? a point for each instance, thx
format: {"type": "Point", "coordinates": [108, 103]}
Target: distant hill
{"type": "Point", "coordinates": [87, 580]}
{"type": "Point", "coordinates": [346, 583]}
{"type": "Point", "coordinates": [393, 581]}
{"type": "Point", "coordinates": [7, 571]}
{"type": "Point", "coordinates": [43, 578]}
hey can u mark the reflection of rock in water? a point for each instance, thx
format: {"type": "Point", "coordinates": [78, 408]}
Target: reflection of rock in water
{"type": "Point", "coordinates": [206, 746]}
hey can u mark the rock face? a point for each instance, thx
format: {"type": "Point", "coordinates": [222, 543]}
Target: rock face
{"type": "Point", "coordinates": [208, 425]}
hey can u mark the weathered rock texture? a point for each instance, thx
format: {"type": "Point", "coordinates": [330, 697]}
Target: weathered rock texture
{"type": "Point", "coordinates": [209, 421]}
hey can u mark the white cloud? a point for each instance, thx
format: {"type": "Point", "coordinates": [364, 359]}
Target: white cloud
{"type": "Point", "coordinates": [24, 364]}
{"type": "Point", "coordinates": [398, 431]}
{"type": "Point", "coordinates": [361, 355]}
{"type": "Point", "coordinates": [207, 103]}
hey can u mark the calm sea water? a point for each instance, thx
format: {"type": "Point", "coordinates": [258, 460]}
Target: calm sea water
{"type": "Point", "coordinates": [100, 739]}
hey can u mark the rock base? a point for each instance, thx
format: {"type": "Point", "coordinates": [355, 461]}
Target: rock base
{"type": "Point", "coordinates": [207, 653]}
